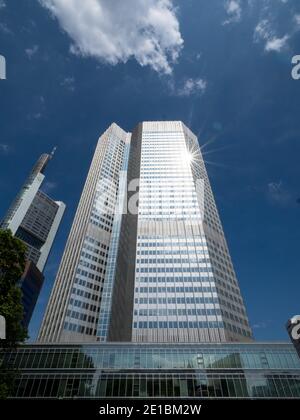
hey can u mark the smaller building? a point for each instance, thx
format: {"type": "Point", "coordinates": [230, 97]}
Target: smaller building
{"type": "Point", "coordinates": [34, 218]}
{"type": "Point", "coordinates": [30, 283]}
{"type": "Point", "coordinates": [131, 370]}
{"type": "Point", "coordinates": [39, 227]}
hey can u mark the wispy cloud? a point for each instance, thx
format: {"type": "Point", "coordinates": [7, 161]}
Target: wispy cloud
{"type": "Point", "coordinates": [270, 30]}
{"type": "Point", "coordinates": [30, 52]}
{"type": "Point", "coordinates": [49, 186]}
{"type": "Point", "coordinates": [234, 11]}
{"type": "Point", "coordinates": [260, 325]}
{"type": "Point", "coordinates": [68, 83]}
{"type": "Point", "coordinates": [275, 192]}
{"type": "Point", "coordinates": [38, 108]}
{"type": "Point", "coordinates": [115, 31]}
{"type": "Point", "coordinates": [5, 29]}
{"type": "Point", "coordinates": [276, 44]}
{"type": "Point", "coordinates": [34, 116]}
{"type": "Point", "coordinates": [297, 19]}
{"type": "Point", "coordinates": [189, 87]}
{"type": "Point", "coordinates": [4, 148]}
{"type": "Point", "coordinates": [265, 32]}
{"type": "Point", "coordinates": [278, 193]}
{"type": "Point", "coordinates": [2, 4]}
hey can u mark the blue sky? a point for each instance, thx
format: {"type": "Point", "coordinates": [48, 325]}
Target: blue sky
{"type": "Point", "coordinates": [223, 67]}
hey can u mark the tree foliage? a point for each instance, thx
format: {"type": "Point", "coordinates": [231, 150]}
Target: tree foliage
{"type": "Point", "coordinates": [12, 265]}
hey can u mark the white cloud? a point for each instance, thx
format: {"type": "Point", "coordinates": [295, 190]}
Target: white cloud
{"type": "Point", "coordinates": [49, 186]}
{"type": "Point", "coordinates": [276, 44]}
{"type": "Point", "coordinates": [30, 52]}
{"type": "Point", "coordinates": [192, 86]}
{"type": "Point", "coordinates": [297, 19]}
{"type": "Point", "coordinates": [115, 31]}
{"type": "Point", "coordinates": [234, 11]}
{"type": "Point", "coordinates": [2, 4]}
{"type": "Point", "coordinates": [271, 30]}
{"type": "Point", "coordinates": [189, 87]}
{"type": "Point", "coordinates": [265, 32]}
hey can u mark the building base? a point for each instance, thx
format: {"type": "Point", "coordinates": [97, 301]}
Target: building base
{"type": "Point", "coordinates": [128, 370]}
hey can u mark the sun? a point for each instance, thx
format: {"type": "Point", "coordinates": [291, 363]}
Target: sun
{"type": "Point", "coordinates": [189, 156]}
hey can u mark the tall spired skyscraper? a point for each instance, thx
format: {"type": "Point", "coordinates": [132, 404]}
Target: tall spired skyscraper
{"type": "Point", "coordinates": [34, 218]}
{"type": "Point", "coordinates": [146, 259]}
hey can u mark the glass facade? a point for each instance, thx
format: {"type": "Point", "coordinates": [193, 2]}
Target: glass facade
{"type": "Point", "coordinates": [36, 227]}
{"type": "Point", "coordinates": [73, 310]}
{"type": "Point", "coordinates": [149, 371]}
{"type": "Point", "coordinates": [161, 270]}
{"type": "Point", "coordinates": [105, 310]}
{"type": "Point", "coordinates": [174, 271]}
{"type": "Point", "coordinates": [33, 182]}
{"type": "Point", "coordinates": [30, 284]}
{"type": "Point", "coordinates": [175, 294]}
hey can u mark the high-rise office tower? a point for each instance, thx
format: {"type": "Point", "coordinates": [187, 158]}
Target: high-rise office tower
{"type": "Point", "coordinates": [34, 218]}
{"type": "Point", "coordinates": [146, 259]}
{"type": "Point", "coordinates": [73, 309]}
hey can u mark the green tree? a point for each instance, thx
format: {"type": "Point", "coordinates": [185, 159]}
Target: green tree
{"type": "Point", "coordinates": [12, 265]}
